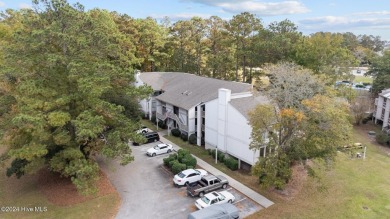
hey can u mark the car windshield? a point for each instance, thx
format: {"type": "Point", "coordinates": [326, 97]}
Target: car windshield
{"type": "Point", "coordinates": [205, 199]}
{"type": "Point", "coordinates": [197, 171]}
{"type": "Point", "coordinates": [156, 147]}
{"type": "Point", "coordinates": [181, 175]}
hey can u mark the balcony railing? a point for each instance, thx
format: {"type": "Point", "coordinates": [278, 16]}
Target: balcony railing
{"type": "Point", "coordinates": [174, 117]}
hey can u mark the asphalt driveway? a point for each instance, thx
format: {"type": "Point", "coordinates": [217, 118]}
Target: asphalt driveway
{"type": "Point", "coordinates": [147, 190]}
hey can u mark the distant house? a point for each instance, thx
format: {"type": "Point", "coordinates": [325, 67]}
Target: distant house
{"type": "Point", "coordinates": [216, 111]}
{"type": "Point", "coordinates": [382, 109]}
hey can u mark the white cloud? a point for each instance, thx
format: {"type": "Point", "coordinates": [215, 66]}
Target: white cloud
{"type": "Point", "coordinates": [2, 4]}
{"type": "Point", "coordinates": [333, 22]}
{"type": "Point", "coordinates": [24, 5]}
{"type": "Point", "coordinates": [372, 13]}
{"type": "Point", "coordinates": [258, 7]}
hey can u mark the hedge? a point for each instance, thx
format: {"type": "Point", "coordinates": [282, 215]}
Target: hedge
{"type": "Point", "coordinates": [221, 157]}
{"type": "Point", "coordinates": [189, 160]}
{"type": "Point", "coordinates": [382, 138]}
{"type": "Point", "coordinates": [178, 167]}
{"type": "Point", "coordinates": [181, 153]}
{"type": "Point", "coordinates": [162, 125]}
{"type": "Point", "coordinates": [167, 160]}
{"type": "Point", "coordinates": [176, 132]}
{"type": "Point", "coordinates": [184, 136]}
{"type": "Point", "coordinates": [192, 139]}
{"type": "Point", "coordinates": [231, 163]}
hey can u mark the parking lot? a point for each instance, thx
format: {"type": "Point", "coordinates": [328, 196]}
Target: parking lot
{"type": "Point", "coordinates": [147, 190]}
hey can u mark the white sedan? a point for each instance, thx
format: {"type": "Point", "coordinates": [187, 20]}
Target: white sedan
{"type": "Point", "coordinates": [214, 198]}
{"type": "Point", "coordinates": [188, 176]}
{"type": "Point", "coordinates": [159, 149]}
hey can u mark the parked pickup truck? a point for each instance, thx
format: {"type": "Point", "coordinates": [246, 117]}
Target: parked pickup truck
{"type": "Point", "coordinates": [207, 184]}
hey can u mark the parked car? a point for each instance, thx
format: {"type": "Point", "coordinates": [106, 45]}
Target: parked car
{"type": "Point", "coordinates": [213, 198]}
{"type": "Point", "coordinates": [150, 137]}
{"type": "Point", "coordinates": [143, 130]}
{"type": "Point", "coordinates": [207, 184]}
{"type": "Point", "coordinates": [188, 176]}
{"type": "Point", "coordinates": [222, 211]}
{"type": "Point", "coordinates": [159, 149]}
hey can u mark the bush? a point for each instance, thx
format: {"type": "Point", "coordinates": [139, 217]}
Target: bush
{"type": "Point", "coordinates": [231, 163]}
{"type": "Point", "coordinates": [169, 159]}
{"type": "Point", "coordinates": [153, 119]}
{"type": "Point", "coordinates": [221, 157]}
{"type": "Point", "coordinates": [178, 167]}
{"type": "Point", "coordinates": [181, 153]}
{"type": "Point", "coordinates": [382, 138]}
{"type": "Point", "coordinates": [176, 132]}
{"type": "Point", "coordinates": [210, 151]}
{"type": "Point", "coordinates": [162, 125]}
{"type": "Point", "coordinates": [192, 139]}
{"type": "Point", "coordinates": [189, 160]}
{"type": "Point", "coordinates": [184, 136]}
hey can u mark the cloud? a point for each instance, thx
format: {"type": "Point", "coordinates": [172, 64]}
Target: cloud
{"type": "Point", "coordinates": [372, 13]}
{"type": "Point", "coordinates": [181, 16]}
{"type": "Point", "coordinates": [24, 6]}
{"type": "Point", "coordinates": [2, 4]}
{"type": "Point", "coordinates": [334, 22]}
{"type": "Point", "coordinates": [258, 7]}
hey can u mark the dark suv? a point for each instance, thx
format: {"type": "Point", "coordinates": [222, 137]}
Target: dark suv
{"type": "Point", "coordinates": [150, 137]}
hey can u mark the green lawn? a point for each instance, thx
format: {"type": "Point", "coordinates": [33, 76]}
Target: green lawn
{"type": "Point", "coordinates": [353, 188]}
{"type": "Point", "coordinates": [362, 79]}
{"type": "Point", "coordinates": [24, 192]}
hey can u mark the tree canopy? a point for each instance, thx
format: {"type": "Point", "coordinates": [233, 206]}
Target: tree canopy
{"type": "Point", "coordinates": [304, 122]}
{"type": "Point", "coordinates": [69, 74]}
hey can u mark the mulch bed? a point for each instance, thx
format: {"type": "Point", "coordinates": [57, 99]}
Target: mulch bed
{"type": "Point", "coordinates": [60, 190]}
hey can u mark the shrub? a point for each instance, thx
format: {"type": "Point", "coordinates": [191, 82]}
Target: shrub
{"type": "Point", "coordinates": [221, 157]}
{"type": "Point", "coordinates": [176, 132]}
{"type": "Point", "coordinates": [210, 151]}
{"type": "Point", "coordinates": [181, 153]}
{"type": "Point", "coordinates": [167, 160]}
{"type": "Point", "coordinates": [184, 136]}
{"type": "Point", "coordinates": [178, 167]}
{"type": "Point", "coordinates": [231, 163]}
{"type": "Point", "coordinates": [153, 119]}
{"type": "Point", "coordinates": [189, 160]}
{"type": "Point", "coordinates": [382, 138]}
{"type": "Point", "coordinates": [192, 139]}
{"type": "Point", "coordinates": [162, 125]}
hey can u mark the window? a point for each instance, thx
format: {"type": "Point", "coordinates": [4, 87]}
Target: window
{"type": "Point", "coordinates": [192, 174]}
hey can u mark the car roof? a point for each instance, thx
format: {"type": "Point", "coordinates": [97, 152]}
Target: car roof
{"type": "Point", "coordinates": [188, 171]}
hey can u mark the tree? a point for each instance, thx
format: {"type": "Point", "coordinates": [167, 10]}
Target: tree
{"type": "Point", "coordinates": [62, 64]}
{"type": "Point", "coordinates": [220, 57]}
{"type": "Point", "coordinates": [290, 84]}
{"type": "Point", "coordinates": [380, 71]}
{"type": "Point", "coordinates": [309, 125]}
{"type": "Point", "coordinates": [241, 27]}
{"type": "Point", "coordinates": [324, 54]}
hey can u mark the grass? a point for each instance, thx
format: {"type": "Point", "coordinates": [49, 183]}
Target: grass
{"type": "Point", "coordinates": [353, 188]}
{"type": "Point", "coordinates": [362, 79]}
{"type": "Point", "coordinates": [24, 192]}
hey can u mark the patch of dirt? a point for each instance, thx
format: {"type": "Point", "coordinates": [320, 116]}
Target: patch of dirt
{"type": "Point", "coordinates": [295, 185]}
{"type": "Point", "coordinates": [61, 191]}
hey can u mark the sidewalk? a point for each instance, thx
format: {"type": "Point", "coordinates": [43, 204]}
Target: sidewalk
{"type": "Point", "coordinates": [261, 200]}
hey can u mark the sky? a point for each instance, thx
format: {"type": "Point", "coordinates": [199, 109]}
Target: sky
{"type": "Point", "coordinates": [371, 17]}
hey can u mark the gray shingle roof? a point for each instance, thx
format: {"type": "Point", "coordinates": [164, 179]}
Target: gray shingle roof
{"type": "Point", "coordinates": [246, 104]}
{"type": "Point", "coordinates": [187, 90]}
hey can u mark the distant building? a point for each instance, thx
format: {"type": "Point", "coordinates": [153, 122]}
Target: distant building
{"type": "Point", "coordinates": [216, 111]}
{"type": "Point", "coordinates": [382, 109]}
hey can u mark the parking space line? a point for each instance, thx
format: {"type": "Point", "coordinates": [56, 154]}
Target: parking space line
{"type": "Point", "coordinates": [239, 201]}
